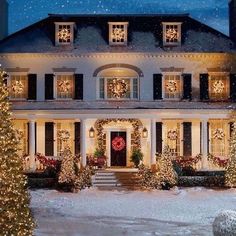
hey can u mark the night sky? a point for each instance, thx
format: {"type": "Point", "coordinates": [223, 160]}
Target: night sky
{"type": "Point", "coordinates": [26, 12]}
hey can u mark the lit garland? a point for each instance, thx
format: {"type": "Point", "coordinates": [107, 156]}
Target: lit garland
{"type": "Point", "coordinates": [18, 87]}
{"type": "Point", "coordinates": [221, 162]}
{"type": "Point", "coordinates": [64, 86]}
{"type": "Point", "coordinates": [172, 34]}
{"type": "Point", "coordinates": [118, 88]}
{"type": "Point", "coordinates": [118, 34]}
{"type": "Point", "coordinates": [171, 86]}
{"type": "Point", "coordinates": [188, 161]}
{"type": "Point", "coordinates": [218, 86]}
{"type": "Point", "coordinates": [118, 143]}
{"type": "Point", "coordinates": [218, 134]}
{"type": "Point", "coordinates": [64, 34]}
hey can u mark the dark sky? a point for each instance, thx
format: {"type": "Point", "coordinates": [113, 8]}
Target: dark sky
{"type": "Point", "coordinates": [211, 12]}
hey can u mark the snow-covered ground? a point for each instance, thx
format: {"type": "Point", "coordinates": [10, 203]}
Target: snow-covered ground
{"type": "Point", "coordinates": [188, 211]}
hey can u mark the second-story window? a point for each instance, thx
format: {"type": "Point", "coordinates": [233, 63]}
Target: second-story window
{"type": "Point", "coordinates": [171, 33]}
{"type": "Point", "coordinates": [64, 85]}
{"type": "Point", "coordinates": [118, 33]}
{"type": "Point", "coordinates": [172, 86]}
{"type": "Point", "coordinates": [18, 86]}
{"type": "Point", "coordinates": [64, 33]}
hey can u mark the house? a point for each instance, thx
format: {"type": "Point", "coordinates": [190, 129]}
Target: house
{"type": "Point", "coordinates": [119, 82]}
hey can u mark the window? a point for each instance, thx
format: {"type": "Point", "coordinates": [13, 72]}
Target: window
{"type": "Point", "coordinates": [219, 137]}
{"type": "Point", "coordinates": [65, 86]}
{"type": "Point", "coordinates": [18, 87]}
{"type": "Point", "coordinates": [172, 86]}
{"type": "Point", "coordinates": [64, 33]}
{"type": "Point", "coordinates": [218, 87]}
{"type": "Point", "coordinates": [171, 34]}
{"type": "Point", "coordinates": [118, 33]}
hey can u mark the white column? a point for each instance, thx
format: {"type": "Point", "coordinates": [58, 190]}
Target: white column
{"type": "Point", "coordinates": [32, 144]}
{"type": "Point", "coordinates": [153, 142]}
{"type": "Point", "coordinates": [204, 144]}
{"type": "Point", "coordinates": [83, 142]}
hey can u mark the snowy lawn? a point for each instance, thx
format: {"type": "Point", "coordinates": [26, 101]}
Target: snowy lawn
{"type": "Point", "coordinates": [188, 211]}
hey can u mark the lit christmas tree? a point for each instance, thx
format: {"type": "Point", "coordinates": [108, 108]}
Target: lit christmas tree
{"type": "Point", "coordinates": [165, 171]}
{"type": "Point", "coordinates": [15, 215]}
{"type": "Point", "coordinates": [230, 176]}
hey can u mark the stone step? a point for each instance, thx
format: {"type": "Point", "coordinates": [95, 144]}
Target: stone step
{"type": "Point", "coordinates": [106, 181]}
{"type": "Point", "coordinates": [106, 184]}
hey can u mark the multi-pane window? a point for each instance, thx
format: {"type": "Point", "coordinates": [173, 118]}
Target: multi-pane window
{"type": "Point", "coordinates": [118, 88]}
{"type": "Point", "coordinates": [18, 86]}
{"type": "Point", "coordinates": [172, 86]}
{"type": "Point", "coordinates": [65, 86]}
{"type": "Point", "coordinates": [219, 138]}
{"type": "Point", "coordinates": [218, 87]}
{"type": "Point", "coordinates": [118, 33]}
{"type": "Point", "coordinates": [171, 33]}
{"type": "Point", "coordinates": [64, 33]}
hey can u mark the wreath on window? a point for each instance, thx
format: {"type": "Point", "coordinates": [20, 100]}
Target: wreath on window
{"type": "Point", "coordinates": [171, 86]}
{"type": "Point", "coordinates": [18, 87]}
{"type": "Point", "coordinates": [118, 34]}
{"type": "Point", "coordinates": [218, 86]}
{"type": "Point", "coordinates": [172, 134]}
{"type": "Point", "coordinates": [171, 34]}
{"type": "Point", "coordinates": [64, 86]}
{"type": "Point", "coordinates": [63, 135]}
{"type": "Point", "coordinates": [118, 143]}
{"type": "Point", "coordinates": [218, 134]}
{"type": "Point", "coordinates": [118, 88]}
{"type": "Point", "coordinates": [64, 34]}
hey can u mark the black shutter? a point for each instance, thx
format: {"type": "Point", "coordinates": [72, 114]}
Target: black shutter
{"type": "Point", "coordinates": [187, 86]}
{"type": "Point", "coordinates": [49, 139]}
{"type": "Point", "coordinates": [158, 137]}
{"type": "Point", "coordinates": [27, 138]}
{"type": "Point", "coordinates": [157, 86]}
{"type": "Point", "coordinates": [78, 86]}
{"type": "Point", "coordinates": [231, 128]}
{"type": "Point", "coordinates": [204, 87]}
{"type": "Point", "coordinates": [187, 139]}
{"type": "Point", "coordinates": [49, 86]}
{"type": "Point", "coordinates": [32, 86]}
{"type": "Point", "coordinates": [35, 127]}
{"type": "Point", "coordinates": [77, 138]}
{"type": "Point", "coordinates": [233, 87]}
{"type": "Point", "coordinates": [208, 137]}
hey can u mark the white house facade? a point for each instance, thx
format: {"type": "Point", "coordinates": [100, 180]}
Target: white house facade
{"type": "Point", "coordinates": [122, 82]}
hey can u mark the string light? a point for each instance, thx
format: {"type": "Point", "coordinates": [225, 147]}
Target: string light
{"type": "Point", "coordinates": [64, 35]}
{"type": "Point", "coordinates": [218, 86]}
{"type": "Point", "coordinates": [118, 88]}
{"type": "Point", "coordinates": [118, 34]}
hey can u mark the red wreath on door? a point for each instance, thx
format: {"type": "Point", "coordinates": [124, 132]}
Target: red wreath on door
{"type": "Point", "coordinates": [118, 143]}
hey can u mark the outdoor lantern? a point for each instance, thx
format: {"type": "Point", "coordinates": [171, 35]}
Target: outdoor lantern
{"type": "Point", "coordinates": [145, 133]}
{"type": "Point", "coordinates": [91, 133]}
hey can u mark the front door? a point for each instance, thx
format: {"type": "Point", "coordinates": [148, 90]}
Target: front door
{"type": "Point", "coordinates": [118, 148]}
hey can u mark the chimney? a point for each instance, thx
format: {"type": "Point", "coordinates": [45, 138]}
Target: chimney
{"type": "Point", "coordinates": [3, 19]}
{"type": "Point", "coordinates": [232, 20]}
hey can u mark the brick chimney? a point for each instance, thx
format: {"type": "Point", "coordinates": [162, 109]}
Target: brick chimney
{"type": "Point", "coordinates": [232, 20]}
{"type": "Point", "coordinates": [3, 19]}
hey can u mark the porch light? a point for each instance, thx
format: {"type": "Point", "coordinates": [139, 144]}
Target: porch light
{"type": "Point", "coordinates": [145, 132]}
{"type": "Point", "coordinates": [91, 133]}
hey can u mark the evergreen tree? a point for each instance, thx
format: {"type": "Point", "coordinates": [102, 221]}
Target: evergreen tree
{"type": "Point", "coordinates": [15, 215]}
{"type": "Point", "coordinates": [165, 171]}
{"type": "Point", "coordinates": [230, 176]}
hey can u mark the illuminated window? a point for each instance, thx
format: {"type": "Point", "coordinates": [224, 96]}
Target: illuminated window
{"type": "Point", "coordinates": [65, 86]}
{"type": "Point", "coordinates": [171, 33]}
{"type": "Point", "coordinates": [64, 33]}
{"type": "Point", "coordinates": [118, 33]}
{"type": "Point", "coordinates": [219, 87]}
{"type": "Point", "coordinates": [219, 138]}
{"type": "Point", "coordinates": [18, 87]}
{"type": "Point", "coordinates": [172, 86]}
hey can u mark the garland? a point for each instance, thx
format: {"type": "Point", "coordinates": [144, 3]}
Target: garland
{"type": "Point", "coordinates": [218, 161]}
{"type": "Point", "coordinates": [188, 161]}
{"type": "Point", "coordinates": [46, 162]}
{"type": "Point", "coordinates": [136, 123]}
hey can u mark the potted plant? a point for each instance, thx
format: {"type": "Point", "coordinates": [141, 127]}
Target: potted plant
{"type": "Point", "coordinates": [100, 157]}
{"type": "Point", "coordinates": [136, 157]}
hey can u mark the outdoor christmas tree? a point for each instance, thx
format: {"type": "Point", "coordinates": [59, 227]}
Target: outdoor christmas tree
{"type": "Point", "coordinates": [165, 171]}
{"type": "Point", "coordinates": [15, 215]}
{"type": "Point", "coordinates": [230, 176]}
{"type": "Point", "coordinates": [67, 173]}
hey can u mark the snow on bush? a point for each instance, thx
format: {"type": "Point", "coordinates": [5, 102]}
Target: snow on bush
{"type": "Point", "coordinates": [225, 224]}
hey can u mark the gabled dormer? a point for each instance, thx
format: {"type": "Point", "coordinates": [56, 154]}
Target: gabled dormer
{"type": "Point", "coordinates": [64, 33]}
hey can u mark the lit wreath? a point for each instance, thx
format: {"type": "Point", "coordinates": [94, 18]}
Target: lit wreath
{"type": "Point", "coordinates": [218, 134]}
{"type": "Point", "coordinates": [218, 86]}
{"type": "Point", "coordinates": [118, 143]}
{"type": "Point", "coordinates": [64, 86]}
{"type": "Point", "coordinates": [63, 135]}
{"type": "Point", "coordinates": [171, 34]}
{"type": "Point", "coordinates": [18, 87]}
{"type": "Point", "coordinates": [118, 88]}
{"type": "Point", "coordinates": [172, 134]}
{"type": "Point", "coordinates": [64, 34]}
{"type": "Point", "coordinates": [171, 86]}
{"type": "Point", "coordinates": [118, 34]}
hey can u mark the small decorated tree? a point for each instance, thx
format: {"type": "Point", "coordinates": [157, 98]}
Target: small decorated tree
{"type": "Point", "coordinates": [165, 171]}
{"type": "Point", "coordinates": [230, 176]}
{"type": "Point", "coordinates": [15, 215]}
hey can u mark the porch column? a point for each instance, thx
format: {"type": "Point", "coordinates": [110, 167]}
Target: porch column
{"type": "Point", "coordinates": [32, 144]}
{"type": "Point", "coordinates": [204, 144]}
{"type": "Point", "coordinates": [153, 142]}
{"type": "Point", "coordinates": [83, 142]}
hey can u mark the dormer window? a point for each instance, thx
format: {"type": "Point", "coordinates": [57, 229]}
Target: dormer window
{"type": "Point", "coordinates": [64, 33]}
{"type": "Point", "coordinates": [171, 34]}
{"type": "Point", "coordinates": [118, 33]}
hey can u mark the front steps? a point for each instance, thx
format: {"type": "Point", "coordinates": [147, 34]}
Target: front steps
{"type": "Point", "coordinates": [107, 179]}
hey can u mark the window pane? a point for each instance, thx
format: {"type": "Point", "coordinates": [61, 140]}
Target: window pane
{"type": "Point", "coordinates": [64, 86]}
{"type": "Point", "coordinates": [101, 88]}
{"type": "Point", "coordinates": [135, 88]}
